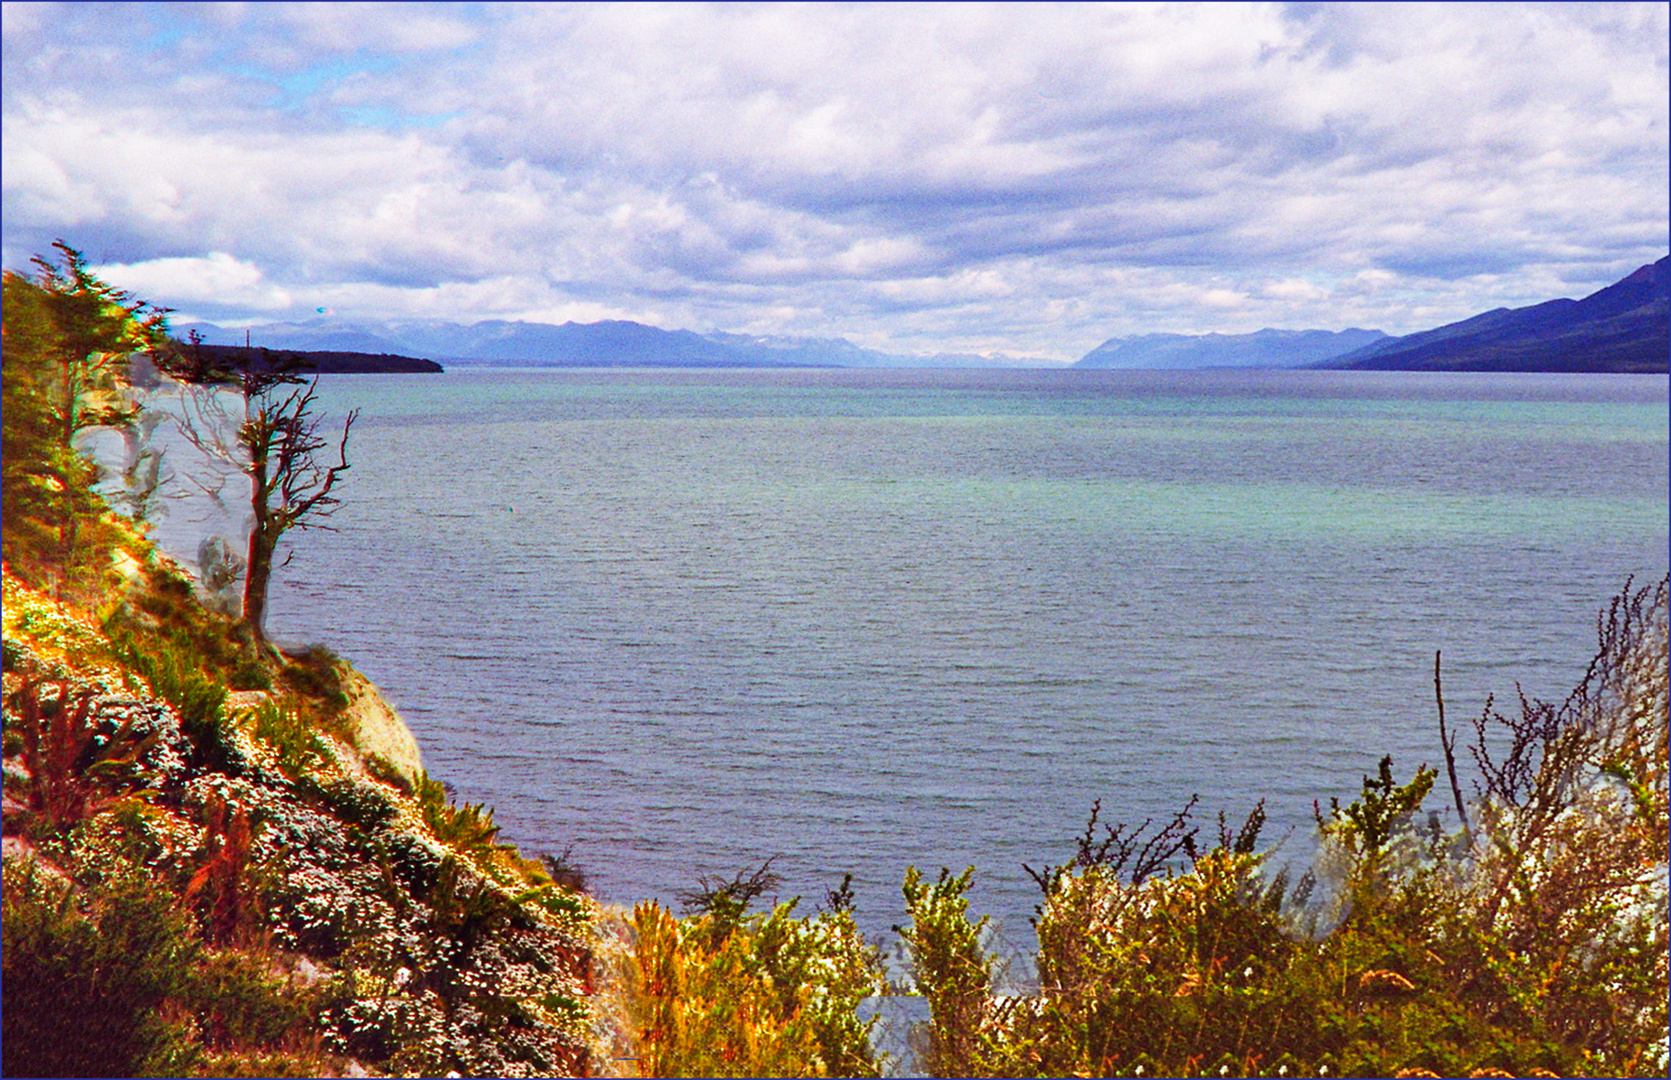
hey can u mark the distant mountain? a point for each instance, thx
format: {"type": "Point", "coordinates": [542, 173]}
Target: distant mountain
{"type": "Point", "coordinates": [601, 344]}
{"type": "Point", "coordinates": [839, 352]}
{"type": "Point", "coordinates": [1623, 328]}
{"type": "Point", "coordinates": [495, 341]}
{"type": "Point", "coordinates": [802, 352]}
{"type": "Point", "coordinates": [315, 335]}
{"type": "Point", "coordinates": [1262, 349]}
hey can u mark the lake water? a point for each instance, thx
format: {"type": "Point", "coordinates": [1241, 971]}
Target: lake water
{"type": "Point", "coordinates": [857, 620]}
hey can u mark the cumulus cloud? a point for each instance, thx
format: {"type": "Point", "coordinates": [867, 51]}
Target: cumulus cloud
{"type": "Point", "coordinates": [1293, 289]}
{"type": "Point", "coordinates": [1029, 177]}
{"type": "Point", "coordinates": [217, 278]}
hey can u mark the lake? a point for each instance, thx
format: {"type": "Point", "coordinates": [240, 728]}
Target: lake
{"type": "Point", "coordinates": [686, 621]}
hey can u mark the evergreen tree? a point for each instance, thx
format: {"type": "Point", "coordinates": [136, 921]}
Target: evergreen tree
{"type": "Point", "coordinates": [67, 340]}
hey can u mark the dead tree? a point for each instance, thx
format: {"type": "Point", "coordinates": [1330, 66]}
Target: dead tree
{"type": "Point", "coordinates": [275, 443]}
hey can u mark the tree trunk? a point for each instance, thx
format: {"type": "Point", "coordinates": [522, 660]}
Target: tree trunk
{"type": "Point", "coordinates": [263, 538]}
{"type": "Point", "coordinates": [256, 578]}
{"type": "Point", "coordinates": [69, 527]}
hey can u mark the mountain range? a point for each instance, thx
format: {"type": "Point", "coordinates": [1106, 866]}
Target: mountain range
{"type": "Point", "coordinates": [612, 343]}
{"type": "Point", "coordinates": [1621, 328]}
{"type": "Point", "coordinates": [1262, 349]}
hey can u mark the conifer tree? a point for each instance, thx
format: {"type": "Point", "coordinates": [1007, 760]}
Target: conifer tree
{"type": "Point", "coordinates": [68, 338]}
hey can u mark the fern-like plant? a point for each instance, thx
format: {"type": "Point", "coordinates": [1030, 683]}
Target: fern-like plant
{"type": "Point", "coordinates": [73, 767]}
{"type": "Point", "coordinates": [224, 886]}
{"type": "Point", "coordinates": [467, 829]}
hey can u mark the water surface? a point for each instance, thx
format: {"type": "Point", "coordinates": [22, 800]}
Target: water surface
{"type": "Point", "coordinates": [856, 620]}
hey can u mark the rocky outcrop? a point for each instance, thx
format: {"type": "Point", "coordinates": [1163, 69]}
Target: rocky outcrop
{"type": "Point", "coordinates": [376, 729]}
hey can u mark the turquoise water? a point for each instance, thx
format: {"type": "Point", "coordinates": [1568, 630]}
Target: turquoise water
{"type": "Point", "coordinates": [686, 621]}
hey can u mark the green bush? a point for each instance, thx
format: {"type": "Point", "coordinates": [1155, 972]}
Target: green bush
{"type": "Point", "coordinates": [75, 764]}
{"type": "Point", "coordinates": [726, 993]}
{"type": "Point", "coordinates": [299, 748]}
{"type": "Point", "coordinates": [315, 673]}
{"type": "Point", "coordinates": [173, 669]}
{"type": "Point", "coordinates": [362, 805]}
{"type": "Point", "coordinates": [390, 773]}
{"type": "Point", "coordinates": [161, 611]}
{"type": "Point", "coordinates": [949, 968]}
{"type": "Point", "coordinates": [86, 975]}
{"type": "Point", "coordinates": [468, 829]}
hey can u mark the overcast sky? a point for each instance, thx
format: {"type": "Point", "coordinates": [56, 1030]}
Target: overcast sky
{"type": "Point", "coordinates": [1031, 178]}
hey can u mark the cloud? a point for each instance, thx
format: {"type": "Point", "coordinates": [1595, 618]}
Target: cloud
{"type": "Point", "coordinates": [1294, 289]}
{"type": "Point", "coordinates": [1041, 177]}
{"type": "Point", "coordinates": [1223, 298]}
{"type": "Point", "coordinates": [217, 278]}
{"type": "Point", "coordinates": [983, 284]}
{"type": "Point", "coordinates": [347, 27]}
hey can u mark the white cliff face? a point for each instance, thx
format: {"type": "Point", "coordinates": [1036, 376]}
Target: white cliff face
{"type": "Point", "coordinates": [375, 727]}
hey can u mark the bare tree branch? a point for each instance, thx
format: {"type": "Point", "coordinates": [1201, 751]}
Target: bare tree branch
{"type": "Point", "coordinates": [275, 442]}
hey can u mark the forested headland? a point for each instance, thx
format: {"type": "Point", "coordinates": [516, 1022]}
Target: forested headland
{"type": "Point", "coordinates": [332, 361]}
{"type": "Point", "coordinates": [223, 856]}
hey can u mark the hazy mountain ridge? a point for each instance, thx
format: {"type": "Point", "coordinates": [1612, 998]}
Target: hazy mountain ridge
{"type": "Point", "coordinates": [610, 343]}
{"type": "Point", "coordinates": [1622, 328]}
{"type": "Point", "coordinates": [1263, 348]}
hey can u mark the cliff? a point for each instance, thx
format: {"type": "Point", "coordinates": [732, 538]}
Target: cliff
{"type": "Point", "coordinates": [375, 730]}
{"type": "Point", "coordinates": [224, 861]}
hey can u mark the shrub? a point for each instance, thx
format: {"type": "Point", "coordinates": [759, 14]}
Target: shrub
{"type": "Point", "coordinates": [390, 773]}
{"type": "Point", "coordinates": [726, 902]}
{"type": "Point", "coordinates": [1569, 876]}
{"type": "Point", "coordinates": [949, 967]}
{"type": "Point", "coordinates": [172, 669]}
{"type": "Point", "coordinates": [298, 747]}
{"type": "Point", "coordinates": [224, 887]}
{"type": "Point", "coordinates": [362, 805]}
{"type": "Point", "coordinates": [1539, 950]}
{"type": "Point", "coordinates": [564, 872]}
{"type": "Point", "coordinates": [315, 673]}
{"type": "Point", "coordinates": [725, 993]}
{"type": "Point", "coordinates": [252, 1021]}
{"type": "Point", "coordinates": [467, 829]}
{"type": "Point", "coordinates": [86, 975]}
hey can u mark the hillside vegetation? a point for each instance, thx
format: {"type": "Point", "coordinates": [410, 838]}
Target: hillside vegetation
{"type": "Point", "coordinates": [223, 858]}
{"type": "Point", "coordinates": [205, 872]}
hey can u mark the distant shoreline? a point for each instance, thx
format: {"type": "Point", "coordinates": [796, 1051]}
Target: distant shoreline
{"type": "Point", "coordinates": [332, 362]}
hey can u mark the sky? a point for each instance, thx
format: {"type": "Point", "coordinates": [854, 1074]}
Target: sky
{"type": "Point", "coordinates": [1027, 179]}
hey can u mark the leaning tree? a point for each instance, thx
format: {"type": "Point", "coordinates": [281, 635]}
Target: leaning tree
{"type": "Point", "coordinates": [271, 435]}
